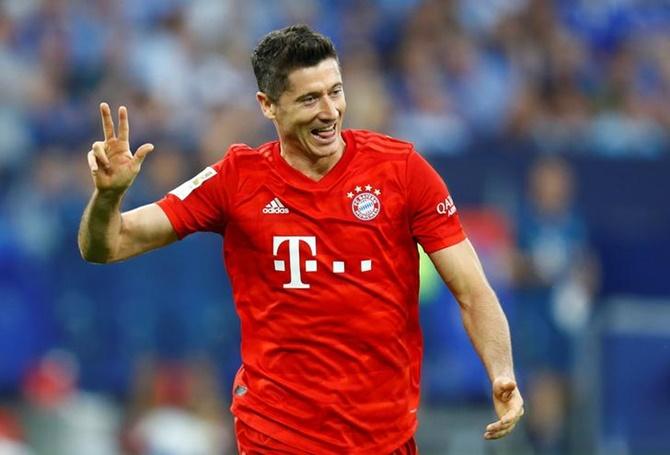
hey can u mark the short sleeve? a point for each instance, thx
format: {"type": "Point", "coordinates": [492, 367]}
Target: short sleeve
{"type": "Point", "coordinates": [203, 202]}
{"type": "Point", "coordinates": [434, 220]}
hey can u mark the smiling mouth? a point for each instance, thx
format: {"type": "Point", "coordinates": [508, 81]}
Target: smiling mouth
{"type": "Point", "coordinates": [324, 133]}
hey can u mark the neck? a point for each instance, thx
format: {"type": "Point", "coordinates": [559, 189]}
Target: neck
{"type": "Point", "coordinates": [313, 167]}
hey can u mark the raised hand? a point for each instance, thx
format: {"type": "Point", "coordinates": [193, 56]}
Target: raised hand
{"type": "Point", "coordinates": [509, 407]}
{"type": "Point", "coordinates": [113, 166]}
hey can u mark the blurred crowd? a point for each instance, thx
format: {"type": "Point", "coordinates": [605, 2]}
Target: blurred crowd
{"type": "Point", "coordinates": [570, 75]}
{"type": "Point", "coordinates": [560, 78]}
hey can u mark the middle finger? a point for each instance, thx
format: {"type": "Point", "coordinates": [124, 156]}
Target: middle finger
{"type": "Point", "coordinates": [123, 124]}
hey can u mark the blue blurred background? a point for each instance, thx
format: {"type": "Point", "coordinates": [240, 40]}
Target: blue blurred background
{"type": "Point", "coordinates": [548, 120]}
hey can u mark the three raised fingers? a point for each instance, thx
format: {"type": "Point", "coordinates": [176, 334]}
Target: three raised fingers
{"type": "Point", "coordinates": [99, 152]}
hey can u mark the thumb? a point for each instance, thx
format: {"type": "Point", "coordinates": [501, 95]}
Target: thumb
{"type": "Point", "coordinates": [143, 151]}
{"type": "Point", "coordinates": [504, 388]}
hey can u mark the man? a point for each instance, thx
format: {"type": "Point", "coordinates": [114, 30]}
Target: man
{"type": "Point", "coordinates": [320, 232]}
{"type": "Point", "coordinates": [556, 278]}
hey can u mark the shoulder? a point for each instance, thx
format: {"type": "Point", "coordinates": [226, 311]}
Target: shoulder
{"type": "Point", "coordinates": [243, 155]}
{"type": "Point", "coordinates": [372, 142]}
{"type": "Point", "coordinates": [244, 151]}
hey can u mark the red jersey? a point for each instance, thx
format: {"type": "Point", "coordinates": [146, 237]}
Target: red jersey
{"type": "Point", "coordinates": [325, 278]}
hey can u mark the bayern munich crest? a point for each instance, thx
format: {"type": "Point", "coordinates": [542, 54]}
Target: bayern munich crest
{"type": "Point", "coordinates": [365, 203]}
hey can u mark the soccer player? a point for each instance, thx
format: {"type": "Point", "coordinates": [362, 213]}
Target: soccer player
{"type": "Point", "coordinates": [321, 230]}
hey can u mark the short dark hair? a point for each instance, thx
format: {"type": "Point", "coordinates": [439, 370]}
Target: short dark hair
{"type": "Point", "coordinates": [285, 50]}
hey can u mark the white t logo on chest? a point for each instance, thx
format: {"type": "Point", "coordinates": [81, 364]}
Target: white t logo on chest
{"type": "Point", "coordinates": [294, 258]}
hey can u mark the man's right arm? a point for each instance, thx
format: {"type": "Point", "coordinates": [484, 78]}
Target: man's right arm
{"type": "Point", "coordinates": [105, 234]}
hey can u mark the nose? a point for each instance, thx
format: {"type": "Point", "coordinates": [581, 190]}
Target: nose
{"type": "Point", "coordinates": [328, 109]}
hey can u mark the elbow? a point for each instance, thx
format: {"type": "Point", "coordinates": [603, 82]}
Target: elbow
{"type": "Point", "coordinates": [92, 257]}
{"type": "Point", "coordinates": [94, 260]}
{"type": "Point", "coordinates": [466, 302]}
{"type": "Point", "coordinates": [476, 299]}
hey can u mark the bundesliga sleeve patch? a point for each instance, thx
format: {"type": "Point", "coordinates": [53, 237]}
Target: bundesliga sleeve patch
{"type": "Point", "coordinates": [183, 190]}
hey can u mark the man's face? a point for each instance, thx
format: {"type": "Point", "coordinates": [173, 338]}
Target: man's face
{"type": "Point", "coordinates": [309, 113]}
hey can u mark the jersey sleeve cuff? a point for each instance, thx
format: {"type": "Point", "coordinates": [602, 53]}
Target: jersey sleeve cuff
{"type": "Point", "coordinates": [436, 245]}
{"type": "Point", "coordinates": [172, 216]}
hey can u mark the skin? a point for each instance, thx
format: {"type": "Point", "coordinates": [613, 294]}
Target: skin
{"type": "Point", "coordinates": [487, 327]}
{"type": "Point", "coordinates": [313, 100]}
{"type": "Point", "coordinates": [106, 235]}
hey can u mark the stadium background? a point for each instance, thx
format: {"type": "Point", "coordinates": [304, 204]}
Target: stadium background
{"type": "Point", "coordinates": [138, 357]}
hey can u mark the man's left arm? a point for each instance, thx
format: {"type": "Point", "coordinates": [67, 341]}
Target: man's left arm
{"type": "Point", "coordinates": [487, 327]}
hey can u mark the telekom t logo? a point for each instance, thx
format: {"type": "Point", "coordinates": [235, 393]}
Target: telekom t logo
{"type": "Point", "coordinates": [294, 258]}
{"type": "Point", "coordinates": [310, 264]}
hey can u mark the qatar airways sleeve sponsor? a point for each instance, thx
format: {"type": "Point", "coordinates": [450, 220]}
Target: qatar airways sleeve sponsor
{"type": "Point", "coordinates": [446, 207]}
{"type": "Point", "coordinates": [434, 220]}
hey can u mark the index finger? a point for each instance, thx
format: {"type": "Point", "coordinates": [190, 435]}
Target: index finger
{"type": "Point", "coordinates": [107, 122]}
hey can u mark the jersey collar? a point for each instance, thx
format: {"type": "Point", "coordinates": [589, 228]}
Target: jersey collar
{"type": "Point", "coordinates": [297, 178]}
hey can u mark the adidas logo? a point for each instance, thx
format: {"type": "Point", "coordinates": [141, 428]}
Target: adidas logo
{"type": "Point", "coordinates": [275, 207]}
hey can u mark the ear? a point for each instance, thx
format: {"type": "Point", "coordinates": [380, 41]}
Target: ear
{"type": "Point", "coordinates": [267, 105]}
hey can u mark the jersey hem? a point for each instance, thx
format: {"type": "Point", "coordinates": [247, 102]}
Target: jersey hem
{"type": "Point", "coordinates": [284, 434]}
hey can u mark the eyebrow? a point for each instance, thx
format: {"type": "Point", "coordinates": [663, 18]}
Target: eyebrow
{"type": "Point", "coordinates": [317, 94]}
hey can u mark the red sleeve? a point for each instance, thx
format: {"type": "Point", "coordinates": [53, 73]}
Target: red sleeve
{"type": "Point", "coordinates": [433, 217]}
{"type": "Point", "coordinates": [203, 202]}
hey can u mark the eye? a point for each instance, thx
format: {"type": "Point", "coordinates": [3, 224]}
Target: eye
{"type": "Point", "coordinates": [308, 100]}
{"type": "Point", "coordinates": [336, 92]}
